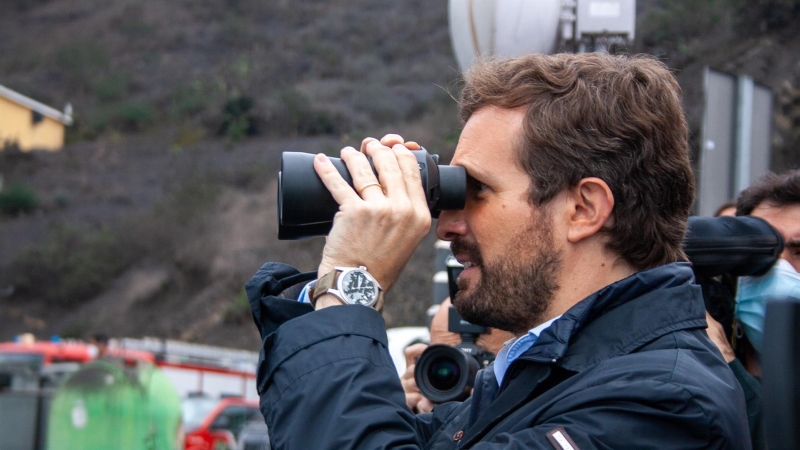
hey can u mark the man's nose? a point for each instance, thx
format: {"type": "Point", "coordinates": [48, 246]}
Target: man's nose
{"type": "Point", "coordinates": [451, 225]}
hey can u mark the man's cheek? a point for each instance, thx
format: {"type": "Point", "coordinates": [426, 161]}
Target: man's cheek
{"type": "Point", "coordinates": [795, 261]}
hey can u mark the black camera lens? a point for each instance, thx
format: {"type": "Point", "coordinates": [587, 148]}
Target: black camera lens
{"type": "Point", "coordinates": [306, 208]}
{"type": "Point", "coordinates": [445, 373]}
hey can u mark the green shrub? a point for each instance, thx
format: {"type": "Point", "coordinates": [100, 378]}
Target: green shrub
{"type": "Point", "coordinates": [187, 136]}
{"type": "Point", "coordinates": [187, 101]}
{"type": "Point", "coordinates": [188, 105]}
{"type": "Point", "coordinates": [18, 198]}
{"type": "Point", "coordinates": [87, 125]}
{"type": "Point", "coordinates": [292, 113]}
{"type": "Point", "coordinates": [238, 119]}
{"type": "Point", "coordinates": [134, 114]}
{"type": "Point", "coordinates": [113, 86]}
{"type": "Point", "coordinates": [61, 200]}
{"type": "Point", "coordinates": [82, 58]}
{"type": "Point", "coordinates": [238, 310]}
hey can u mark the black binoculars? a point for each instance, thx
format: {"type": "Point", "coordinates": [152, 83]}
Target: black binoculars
{"type": "Point", "coordinates": [306, 208]}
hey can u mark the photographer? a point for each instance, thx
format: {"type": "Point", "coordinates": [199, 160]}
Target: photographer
{"type": "Point", "coordinates": [440, 334]}
{"type": "Point", "coordinates": [579, 191]}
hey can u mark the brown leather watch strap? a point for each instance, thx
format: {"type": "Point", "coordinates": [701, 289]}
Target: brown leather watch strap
{"type": "Point", "coordinates": [328, 281]}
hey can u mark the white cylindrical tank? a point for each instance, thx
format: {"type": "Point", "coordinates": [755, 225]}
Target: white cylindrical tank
{"type": "Point", "coordinates": [502, 28]}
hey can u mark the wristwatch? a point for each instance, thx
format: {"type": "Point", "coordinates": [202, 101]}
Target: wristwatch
{"type": "Point", "coordinates": [351, 285]}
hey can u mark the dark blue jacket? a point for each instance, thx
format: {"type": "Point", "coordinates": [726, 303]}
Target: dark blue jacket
{"type": "Point", "coordinates": [628, 367]}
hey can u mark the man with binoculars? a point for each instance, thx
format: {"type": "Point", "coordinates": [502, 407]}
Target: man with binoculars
{"type": "Point", "coordinates": [579, 189]}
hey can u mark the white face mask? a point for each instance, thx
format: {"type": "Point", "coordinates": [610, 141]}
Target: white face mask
{"type": "Point", "coordinates": [780, 283]}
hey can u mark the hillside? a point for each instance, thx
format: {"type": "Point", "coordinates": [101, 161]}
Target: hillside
{"type": "Point", "coordinates": [163, 203]}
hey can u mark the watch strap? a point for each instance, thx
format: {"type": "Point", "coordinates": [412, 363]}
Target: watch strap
{"type": "Point", "coordinates": [379, 304]}
{"type": "Point", "coordinates": [327, 281]}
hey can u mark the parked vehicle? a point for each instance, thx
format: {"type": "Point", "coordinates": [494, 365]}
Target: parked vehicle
{"type": "Point", "coordinates": [30, 372]}
{"type": "Point", "coordinates": [214, 424]}
{"type": "Point", "coordinates": [214, 371]}
{"type": "Point", "coordinates": [111, 404]}
{"type": "Point", "coordinates": [255, 436]}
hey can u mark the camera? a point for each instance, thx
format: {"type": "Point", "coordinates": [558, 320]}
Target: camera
{"type": "Point", "coordinates": [306, 208]}
{"type": "Point", "coordinates": [444, 373]}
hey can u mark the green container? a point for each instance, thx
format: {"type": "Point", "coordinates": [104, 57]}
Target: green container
{"type": "Point", "coordinates": [110, 405]}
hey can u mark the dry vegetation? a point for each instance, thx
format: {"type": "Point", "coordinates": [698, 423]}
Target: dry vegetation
{"type": "Point", "coordinates": [162, 206]}
{"type": "Point", "coordinates": [163, 203]}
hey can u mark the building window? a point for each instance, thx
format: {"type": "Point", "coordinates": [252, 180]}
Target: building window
{"type": "Point", "coordinates": [36, 117]}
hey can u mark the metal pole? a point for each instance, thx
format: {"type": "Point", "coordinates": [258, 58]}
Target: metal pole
{"type": "Point", "coordinates": [744, 134]}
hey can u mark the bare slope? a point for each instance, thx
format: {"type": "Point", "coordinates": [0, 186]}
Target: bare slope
{"type": "Point", "coordinates": [162, 206]}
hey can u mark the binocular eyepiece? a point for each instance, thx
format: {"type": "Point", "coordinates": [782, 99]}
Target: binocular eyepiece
{"type": "Point", "coordinates": [306, 208]}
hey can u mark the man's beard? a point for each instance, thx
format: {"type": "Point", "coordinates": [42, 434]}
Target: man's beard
{"type": "Point", "coordinates": [512, 294]}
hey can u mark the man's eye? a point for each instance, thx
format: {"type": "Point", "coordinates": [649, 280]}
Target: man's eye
{"type": "Point", "coordinates": [475, 186]}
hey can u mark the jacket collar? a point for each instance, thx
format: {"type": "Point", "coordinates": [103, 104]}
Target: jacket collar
{"type": "Point", "coordinates": [622, 317]}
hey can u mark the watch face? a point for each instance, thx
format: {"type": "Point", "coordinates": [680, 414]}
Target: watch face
{"type": "Point", "coordinates": [359, 288]}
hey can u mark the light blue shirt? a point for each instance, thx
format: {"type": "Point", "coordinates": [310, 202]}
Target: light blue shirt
{"type": "Point", "coordinates": [515, 347]}
{"type": "Point", "coordinates": [303, 297]}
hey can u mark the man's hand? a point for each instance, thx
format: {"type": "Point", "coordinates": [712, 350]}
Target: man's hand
{"type": "Point", "coordinates": [382, 220]}
{"type": "Point", "coordinates": [414, 399]}
{"type": "Point", "coordinates": [717, 335]}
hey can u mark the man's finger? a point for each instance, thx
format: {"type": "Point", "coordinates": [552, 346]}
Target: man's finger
{"type": "Point", "coordinates": [409, 382]}
{"type": "Point", "coordinates": [410, 168]}
{"type": "Point", "coordinates": [365, 142]}
{"type": "Point", "coordinates": [365, 182]}
{"type": "Point", "coordinates": [425, 405]}
{"type": "Point", "coordinates": [412, 400]}
{"type": "Point", "coordinates": [389, 173]}
{"type": "Point", "coordinates": [333, 181]}
{"type": "Point", "coordinates": [390, 140]}
{"type": "Point", "coordinates": [412, 353]}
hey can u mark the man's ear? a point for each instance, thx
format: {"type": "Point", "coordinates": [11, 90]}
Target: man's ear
{"type": "Point", "coordinates": [592, 203]}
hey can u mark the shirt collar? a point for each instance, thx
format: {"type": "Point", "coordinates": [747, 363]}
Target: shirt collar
{"type": "Point", "coordinates": [513, 348]}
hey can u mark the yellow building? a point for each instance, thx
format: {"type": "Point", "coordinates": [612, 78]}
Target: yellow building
{"type": "Point", "coordinates": [29, 124]}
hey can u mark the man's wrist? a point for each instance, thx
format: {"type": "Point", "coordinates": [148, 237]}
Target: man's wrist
{"type": "Point", "coordinates": [327, 300]}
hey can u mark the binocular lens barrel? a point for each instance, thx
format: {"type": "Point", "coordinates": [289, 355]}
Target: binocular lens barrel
{"type": "Point", "coordinates": [306, 208]}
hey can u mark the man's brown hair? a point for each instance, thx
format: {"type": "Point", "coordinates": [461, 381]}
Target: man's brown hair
{"type": "Point", "coordinates": [776, 190]}
{"type": "Point", "coordinates": [616, 118]}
